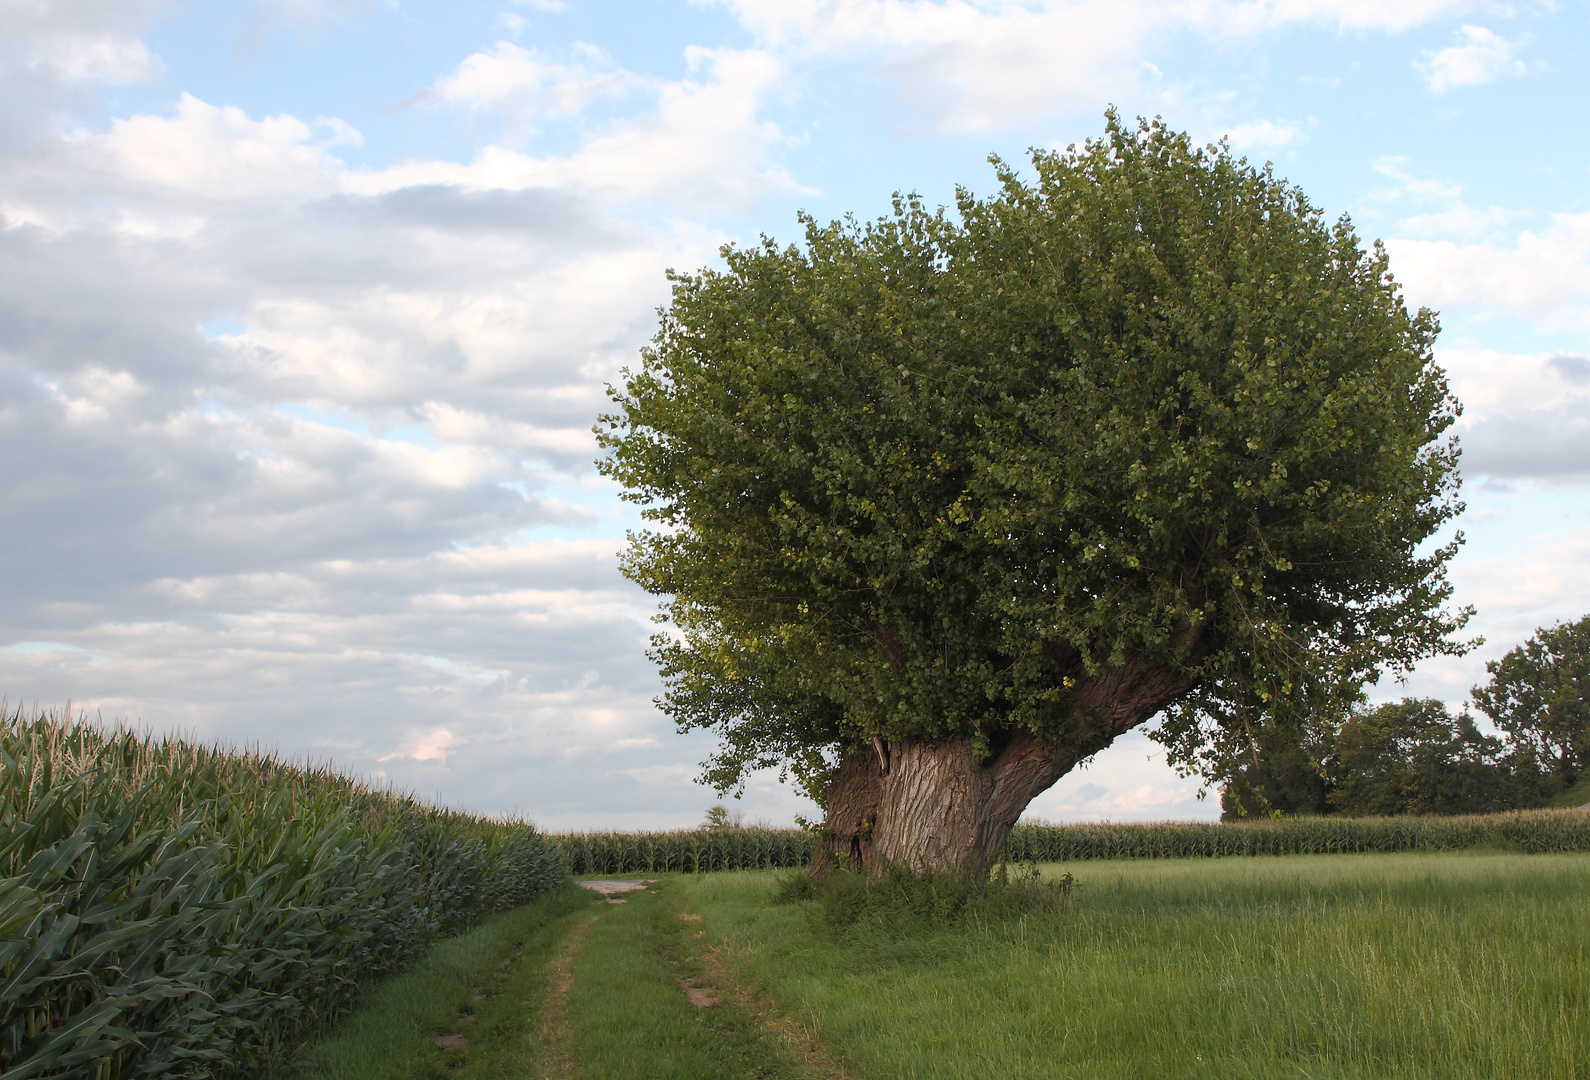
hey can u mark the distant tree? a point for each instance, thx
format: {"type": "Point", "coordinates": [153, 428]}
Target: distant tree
{"type": "Point", "coordinates": [1539, 694]}
{"type": "Point", "coordinates": [1285, 774]}
{"type": "Point", "coordinates": [944, 505]}
{"type": "Point", "coordinates": [721, 817]}
{"type": "Point", "coordinates": [1414, 757]}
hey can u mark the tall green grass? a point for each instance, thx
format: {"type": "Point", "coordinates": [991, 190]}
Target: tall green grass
{"type": "Point", "coordinates": [175, 910]}
{"type": "Point", "coordinates": [487, 984]}
{"type": "Point", "coordinates": [1414, 966]}
{"type": "Point", "coordinates": [703, 850]}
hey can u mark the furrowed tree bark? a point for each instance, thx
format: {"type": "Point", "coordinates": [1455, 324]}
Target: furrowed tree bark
{"type": "Point", "coordinates": [851, 799]}
{"type": "Point", "coordinates": [943, 810]}
{"type": "Point", "coordinates": [939, 807]}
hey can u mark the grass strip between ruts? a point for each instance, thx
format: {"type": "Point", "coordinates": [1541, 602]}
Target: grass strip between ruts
{"type": "Point", "coordinates": [469, 1007]}
{"type": "Point", "coordinates": [632, 1018]}
{"type": "Point", "coordinates": [570, 986]}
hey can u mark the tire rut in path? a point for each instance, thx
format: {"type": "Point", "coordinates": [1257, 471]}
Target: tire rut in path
{"type": "Point", "coordinates": [557, 1033]}
{"type": "Point", "coordinates": [798, 1038]}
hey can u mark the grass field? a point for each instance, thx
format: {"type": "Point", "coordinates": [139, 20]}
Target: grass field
{"type": "Point", "coordinates": [1343, 966]}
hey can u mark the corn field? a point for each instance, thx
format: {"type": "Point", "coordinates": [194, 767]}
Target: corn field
{"type": "Point", "coordinates": [704, 850]}
{"type": "Point", "coordinates": [1530, 831]}
{"type": "Point", "coordinates": [697, 851]}
{"type": "Point", "coordinates": [175, 910]}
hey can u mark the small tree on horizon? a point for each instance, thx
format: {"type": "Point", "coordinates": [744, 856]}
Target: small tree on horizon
{"type": "Point", "coordinates": [943, 504]}
{"type": "Point", "coordinates": [1539, 694]}
{"type": "Point", "coordinates": [721, 817]}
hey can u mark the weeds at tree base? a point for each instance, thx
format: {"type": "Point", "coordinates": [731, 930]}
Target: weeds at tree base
{"type": "Point", "coordinates": [897, 899]}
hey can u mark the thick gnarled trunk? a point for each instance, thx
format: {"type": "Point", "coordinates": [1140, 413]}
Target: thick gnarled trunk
{"type": "Point", "coordinates": [851, 801]}
{"type": "Point", "coordinates": [940, 807]}
{"type": "Point", "coordinates": [932, 807]}
{"type": "Point", "coordinates": [944, 810]}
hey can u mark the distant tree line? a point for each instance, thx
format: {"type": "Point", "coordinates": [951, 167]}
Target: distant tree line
{"type": "Point", "coordinates": [1415, 757]}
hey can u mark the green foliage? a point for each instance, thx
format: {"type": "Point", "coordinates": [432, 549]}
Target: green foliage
{"type": "Point", "coordinates": [1576, 796]}
{"type": "Point", "coordinates": [686, 851]}
{"type": "Point", "coordinates": [925, 477]}
{"type": "Point", "coordinates": [1284, 773]}
{"type": "Point", "coordinates": [1412, 757]}
{"type": "Point", "coordinates": [1404, 757]}
{"type": "Point", "coordinates": [720, 817]}
{"type": "Point", "coordinates": [174, 910]}
{"type": "Point", "coordinates": [1539, 694]}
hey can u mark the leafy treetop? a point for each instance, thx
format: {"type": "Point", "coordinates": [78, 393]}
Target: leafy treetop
{"type": "Point", "coordinates": [919, 477]}
{"type": "Point", "coordinates": [1539, 694]}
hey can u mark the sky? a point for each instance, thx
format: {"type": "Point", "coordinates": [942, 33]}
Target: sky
{"type": "Point", "coordinates": [307, 308]}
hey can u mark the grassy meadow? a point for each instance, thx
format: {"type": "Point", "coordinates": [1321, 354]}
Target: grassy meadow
{"type": "Point", "coordinates": [1411, 965]}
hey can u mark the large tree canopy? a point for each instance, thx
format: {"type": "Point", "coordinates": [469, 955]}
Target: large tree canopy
{"type": "Point", "coordinates": [1143, 433]}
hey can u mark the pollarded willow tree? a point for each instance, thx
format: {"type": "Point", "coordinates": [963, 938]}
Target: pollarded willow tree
{"type": "Point", "coordinates": [945, 503]}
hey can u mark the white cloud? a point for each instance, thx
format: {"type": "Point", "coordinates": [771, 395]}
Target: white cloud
{"type": "Point", "coordinates": [530, 81]}
{"type": "Point", "coordinates": [1448, 213]}
{"type": "Point", "coordinates": [480, 671]}
{"type": "Point", "coordinates": [216, 152]}
{"type": "Point", "coordinates": [112, 60]}
{"type": "Point", "coordinates": [703, 146]}
{"type": "Point", "coordinates": [1263, 134]}
{"type": "Point", "coordinates": [83, 41]}
{"type": "Point", "coordinates": [432, 747]}
{"type": "Point", "coordinates": [972, 65]}
{"type": "Point", "coordinates": [1519, 577]}
{"type": "Point", "coordinates": [468, 426]}
{"type": "Point", "coordinates": [1411, 186]}
{"type": "Point", "coordinates": [325, 518]}
{"type": "Point", "coordinates": [1543, 276]}
{"type": "Point", "coordinates": [1525, 415]}
{"type": "Point", "coordinates": [1540, 582]}
{"type": "Point", "coordinates": [1347, 14]}
{"type": "Point", "coordinates": [1482, 57]}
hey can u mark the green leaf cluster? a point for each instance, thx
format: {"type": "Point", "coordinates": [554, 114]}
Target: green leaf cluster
{"type": "Point", "coordinates": [1539, 694]}
{"type": "Point", "coordinates": [925, 477]}
{"type": "Point", "coordinates": [1400, 757]}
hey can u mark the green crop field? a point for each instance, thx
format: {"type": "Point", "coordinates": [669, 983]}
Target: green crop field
{"type": "Point", "coordinates": [698, 851]}
{"type": "Point", "coordinates": [1373, 966]}
{"type": "Point", "coordinates": [175, 910]}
